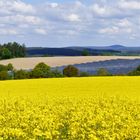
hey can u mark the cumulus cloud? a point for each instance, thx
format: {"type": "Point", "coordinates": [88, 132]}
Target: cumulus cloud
{"type": "Point", "coordinates": [115, 30]}
{"type": "Point", "coordinates": [100, 10]}
{"type": "Point", "coordinates": [18, 19]}
{"type": "Point", "coordinates": [16, 13]}
{"type": "Point", "coordinates": [40, 31]}
{"type": "Point", "coordinates": [54, 5]}
{"type": "Point", "coordinates": [72, 18]}
{"type": "Point", "coordinates": [124, 23]}
{"type": "Point", "coordinates": [20, 6]}
{"type": "Point", "coordinates": [109, 30]}
{"type": "Point", "coordinates": [8, 32]}
{"type": "Point", "coordinates": [130, 5]}
{"type": "Point", "coordinates": [13, 6]}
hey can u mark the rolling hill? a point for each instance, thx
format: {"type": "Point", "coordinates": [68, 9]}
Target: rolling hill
{"type": "Point", "coordinates": [119, 50]}
{"type": "Point", "coordinates": [68, 51]}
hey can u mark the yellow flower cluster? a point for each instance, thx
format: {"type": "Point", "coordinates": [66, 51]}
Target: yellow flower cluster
{"type": "Point", "coordinates": [106, 108]}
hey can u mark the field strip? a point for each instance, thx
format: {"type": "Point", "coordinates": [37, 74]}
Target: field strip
{"type": "Point", "coordinates": [29, 63]}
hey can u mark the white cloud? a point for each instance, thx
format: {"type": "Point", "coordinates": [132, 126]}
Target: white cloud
{"type": "Point", "coordinates": [8, 32]}
{"type": "Point", "coordinates": [15, 13]}
{"type": "Point", "coordinates": [20, 19]}
{"type": "Point", "coordinates": [98, 9]}
{"type": "Point", "coordinates": [12, 6]}
{"type": "Point", "coordinates": [109, 30]}
{"type": "Point", "coordinates": [124, 23]}
{"type": "Point", "coordinates": [68, 32]}
{"type": "Point", "coordinates": [130, 5]}
{"type": "Point", "coordinates": [54, 5]}
{"type": "Point", "coordinates": [73, 18]}
{"type": "Point", "coordinates": [104, 17]}
{"type": "Point", "coordinates": [114, 30]}
{"type": "Point", "coordinates": [40, 31]}
{"type": "Point", "coordinates": [104, 10]}
{"type": "Point", "coordinates": [20, 6]}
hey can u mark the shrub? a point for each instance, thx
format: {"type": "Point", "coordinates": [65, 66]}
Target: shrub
{"type": "Point", "coordinates": [84, 74]}
{"type": "Point", "coordinates": [37, 73]}
{"type": "Point", "coordinates": [4, 75]}
{"type": "Point", "coordinates": [135, 72]}
{"type": "Point", "coordinates": [70, 71]}
{"type": "Point", "coordinates": [138, 68]}
{"type": "Point", "coordinates": [85, 53]}
{"type": "Point", "coordinates": [21, 74]}
{"type": "Point", "coordinates": [3, 68]}
{"type": "Point", "coordinates": [103, 72]}
{"type": "Point", "coordinates": [56, 73]}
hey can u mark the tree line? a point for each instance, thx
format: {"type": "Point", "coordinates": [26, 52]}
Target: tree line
{"type": "Point", "coordinates": [42, 70]}
{"type": "Point", "coordinates": [12, 50]}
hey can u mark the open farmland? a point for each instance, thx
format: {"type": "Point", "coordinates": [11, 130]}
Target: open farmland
{"type": "Point", "coordinates": [70, 108]}
{"type": "Point", "coordinates": [29, 63]}
{"type": "Point", "coordinates": [116, 66]}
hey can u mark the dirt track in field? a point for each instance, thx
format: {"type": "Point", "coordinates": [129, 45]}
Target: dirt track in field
{"type": "Point", "coordinates": [29, 63]}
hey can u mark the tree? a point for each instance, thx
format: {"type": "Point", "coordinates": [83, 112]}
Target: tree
{"type": "Point", "coordinates": [21, 74]}
{"type": "Point", "coordinates": [103, 72]}
{"type": "Point", "coordinates": [85, 53]}
{"type": "Point", "coordinates": [70, 71]}
{"type": "Point", "coordinates": [42, 66]}
{"type": "Point", "coordinates": [10, 67]}
{"type": "Point", "coordinates": [16, 49]}
{"type": "Point", "coordinates": [41, 70]}
{"type": "Point", "coordinates": [11, 50]}
{"type": "Point", "coordinates": [5, 53]}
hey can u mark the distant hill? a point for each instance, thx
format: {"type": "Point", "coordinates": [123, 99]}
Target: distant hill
{"type": "Point", "coordinates": [67, 51]}
{"type": "Point", "coordinates": [52, 52]}
{"type": "Point", "coordinates": [119, 50]}
{"type": "Point", "coordinates": [123, 50]}
{"type": "Point", "coordinates": [112, 47]}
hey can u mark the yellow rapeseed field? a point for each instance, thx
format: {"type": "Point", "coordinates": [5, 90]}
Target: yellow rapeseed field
{"type": "Point", "coordinates": [97, 108]}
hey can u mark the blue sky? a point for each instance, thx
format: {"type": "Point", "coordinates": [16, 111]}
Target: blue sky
{"type": "Point", "coordinates": [59, 23]}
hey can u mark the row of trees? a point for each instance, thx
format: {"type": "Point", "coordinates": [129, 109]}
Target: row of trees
{"type": "Point", "coordinates": [12, 50]}
{"type": "Point", "coordinates": [42, 70]}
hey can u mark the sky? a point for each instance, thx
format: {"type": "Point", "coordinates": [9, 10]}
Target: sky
{"type": "Point", "coordinates": [60, 23]}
